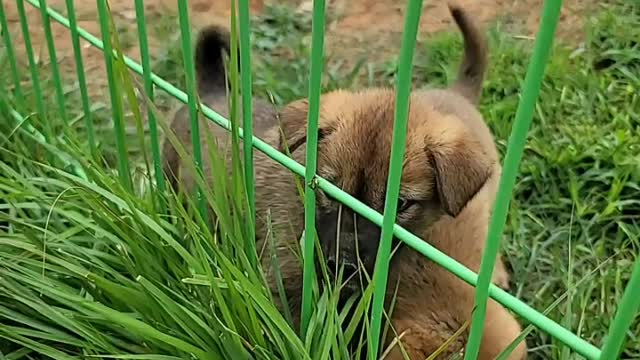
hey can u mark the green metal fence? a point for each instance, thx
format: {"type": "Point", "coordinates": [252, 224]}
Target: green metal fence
{"type": "Point", "coordinates": [484, 289]}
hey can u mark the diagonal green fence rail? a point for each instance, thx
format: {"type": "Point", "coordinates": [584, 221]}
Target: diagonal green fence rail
{"type": "Point", "coordinates": [484, 289]}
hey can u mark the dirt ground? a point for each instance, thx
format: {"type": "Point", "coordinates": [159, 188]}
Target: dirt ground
{"type": "Point", "coordinates": [371, 27]}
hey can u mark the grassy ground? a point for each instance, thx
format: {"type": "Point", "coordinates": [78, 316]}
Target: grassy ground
{"type": "Point", "coordinates": [86, 268]}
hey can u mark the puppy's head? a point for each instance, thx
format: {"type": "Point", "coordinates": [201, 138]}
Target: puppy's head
{"type": "Point", "coordinates": [444, 167]}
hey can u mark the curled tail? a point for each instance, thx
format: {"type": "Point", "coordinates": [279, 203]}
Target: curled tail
{"type": "Point", "coordinates": [474, 64]}
{"type": "Point", "coordinates": [212, 46]}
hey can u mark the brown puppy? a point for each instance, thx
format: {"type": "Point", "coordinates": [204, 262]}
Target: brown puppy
{"type": "Point", "coordinates": [211, 48]}
{"type": "Point", "coordinates": [449, 181]}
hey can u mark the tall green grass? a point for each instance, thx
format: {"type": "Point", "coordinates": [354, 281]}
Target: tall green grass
{"type": "Point", "coordinates": [90, 269]}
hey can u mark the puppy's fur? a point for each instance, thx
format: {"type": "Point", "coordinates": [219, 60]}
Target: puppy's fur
{"type": "Point", "coordinates": [212, 46]}
{"type": "Point", "coordinates": [449, 180]}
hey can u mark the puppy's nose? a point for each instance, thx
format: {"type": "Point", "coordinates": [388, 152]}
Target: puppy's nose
{"type": "Point", "coordinates": [332, 266]}
{"type": "Point", "coordinates": [350, 268]}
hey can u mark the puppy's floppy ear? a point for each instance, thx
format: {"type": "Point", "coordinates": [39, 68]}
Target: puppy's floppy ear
{"type": "Point", "coordinates": [461, 169]}
{"type": "Point", "coordinates": [293, 118]}
{"type": "Point", "coordinates": [293, 125]}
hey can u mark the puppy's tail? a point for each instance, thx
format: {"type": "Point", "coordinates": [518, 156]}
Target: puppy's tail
{"type": "Point", "coordinates": [475, 61]}
{"type": "Point", "coordinates": [212, 46]}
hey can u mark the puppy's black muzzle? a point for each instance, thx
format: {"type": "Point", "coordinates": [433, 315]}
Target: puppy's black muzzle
{"type": "Point", "coordinates": [349, 246]}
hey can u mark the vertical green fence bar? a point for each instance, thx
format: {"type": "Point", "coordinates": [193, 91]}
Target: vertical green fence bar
{"type": "Point", "coordinates": [53, 59]}
{"type": "Point", "coordinates": [315, 88]}
{"type": "Point", "coordinates": [247, 123]}
{"type": "Point", "coordinates": [33, 68]}
{"type": "Point", "coordinates": [82, 82]}
{"type": "Point", "coordinates": [148, 87]}
{"type": "Point", "coordinates": [402, 104]}
{"type": "Point", "coordinates": [15, 74]}
{"type": "Point", "coordinates": [523, 117]}
{"type": "Point", "coordinates": [627, 311]}
{"type": "Point", "coordinates": [187, 53]}
{"type": "Point", "coordinates": [116, 100]}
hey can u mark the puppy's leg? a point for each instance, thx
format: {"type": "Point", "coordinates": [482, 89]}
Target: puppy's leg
{"type": "Point", "coordinates": [421, 337]}
{"type": "Point", "coordinates": [500, 329]}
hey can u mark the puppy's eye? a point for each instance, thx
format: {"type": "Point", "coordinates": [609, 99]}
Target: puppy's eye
{"type": "Point", "coordinates": [405, 204]}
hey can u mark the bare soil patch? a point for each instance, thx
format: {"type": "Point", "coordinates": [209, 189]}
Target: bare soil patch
{"type": "Point", "coordinates": [369, 27]}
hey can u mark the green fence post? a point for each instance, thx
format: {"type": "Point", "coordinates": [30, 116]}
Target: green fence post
{"type": "Point", "coordinates": [53, 59]}
{"type": "Point", "coordinates": [247, 122]}
{"type": "Point", "coordinates": [116, 99]}
{"type": "Point", "coordinates": [627, 311]}
{"type": "Point", "coordinates": [82, 82]}
{"type": "Point", "coordinates": [15, 74]}
{"type": "Point", "coordinates": [33, 68]}
{"type": "Point", "coordinates": [148, 87]}
{"type": "Point", "coordinates": [403, 94]}
{"type": "Point", "coordinates": [315, 88]}
{"type": "Point", "coordinates": [523, 117]}
{"type": "Point", "coordinates": [187, 53]}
